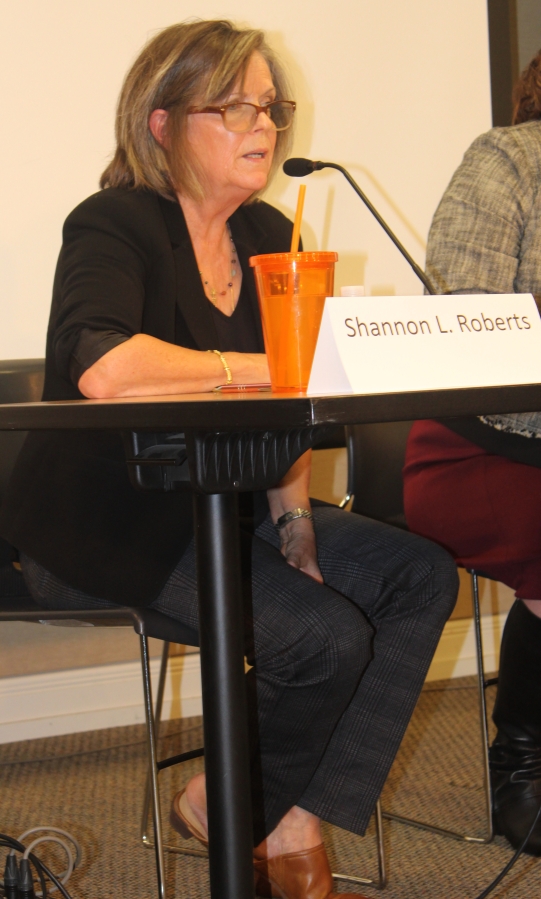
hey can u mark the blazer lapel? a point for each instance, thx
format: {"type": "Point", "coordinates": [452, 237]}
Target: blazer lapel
{"type": "Point", "coordinates": [190, 296]}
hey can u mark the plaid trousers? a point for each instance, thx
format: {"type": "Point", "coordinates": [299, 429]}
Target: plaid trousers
{"type": "Point", "coordinates": [336, 667]}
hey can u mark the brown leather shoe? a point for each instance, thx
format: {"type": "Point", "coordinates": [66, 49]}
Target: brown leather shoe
{"type": "Point", "coordinates": [297, 875]}
{"type": "Point", "coordinates": [183, 820]}
{"type": "Point", "coordinates": [300, 875]}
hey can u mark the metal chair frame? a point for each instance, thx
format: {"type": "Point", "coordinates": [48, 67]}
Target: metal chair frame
{"type": "Point", "coordinates": [123, 616]}
{"type": "Point", "coordinates": [379, 883]}
{"type": "Point", "coordinates": [482, 683]}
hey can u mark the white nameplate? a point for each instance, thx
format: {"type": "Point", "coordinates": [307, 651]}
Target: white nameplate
{"type": "Point", "coordinates": [399, 344]}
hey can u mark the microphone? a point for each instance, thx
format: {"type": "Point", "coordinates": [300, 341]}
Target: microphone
{"type": "Point", "coordinates": [297, 167]}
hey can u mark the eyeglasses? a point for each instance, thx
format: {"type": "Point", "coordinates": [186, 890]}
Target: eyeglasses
{"type": "Point", "coordinates": [241, 117]}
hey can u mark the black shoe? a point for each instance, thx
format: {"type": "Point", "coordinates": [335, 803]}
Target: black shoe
{"type": "Point", "coordinates": [515, 774]}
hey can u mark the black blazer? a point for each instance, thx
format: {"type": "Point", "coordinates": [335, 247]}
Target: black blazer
{"type": "Point", "coordinates": [126, 265]}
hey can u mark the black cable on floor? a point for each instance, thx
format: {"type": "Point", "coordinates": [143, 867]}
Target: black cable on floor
{"type": "Point", "coordinates": [10, 843]}
{"type": "Point", "coordinates": [41, 868]}
{"type": "Point", "coordinates": [512, 861]}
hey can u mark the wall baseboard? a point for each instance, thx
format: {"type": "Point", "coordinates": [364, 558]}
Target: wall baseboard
{"type": "Point", "coordinates": [81, 699]}
{"type": "Point", "coordinates": [456, 656]}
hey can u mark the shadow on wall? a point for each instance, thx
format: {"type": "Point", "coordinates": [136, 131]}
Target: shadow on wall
{"type": "Point", "coordinates": [350, 269]}
{"type": "Point", "coordinates": [357, 170]}
{"type": "Point", "coordinates": [381, 199]}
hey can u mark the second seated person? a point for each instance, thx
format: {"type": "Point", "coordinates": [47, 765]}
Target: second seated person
{"type": "Point", "coordinates": [474, 484]}
{"type": "Point", "coordinates": [153, 274]}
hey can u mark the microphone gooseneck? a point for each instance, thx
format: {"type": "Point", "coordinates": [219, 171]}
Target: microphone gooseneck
{"type": "Point", "coordinates": [298, 167]}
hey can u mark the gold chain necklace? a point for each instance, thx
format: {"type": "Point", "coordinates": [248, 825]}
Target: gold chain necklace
{"type": "Point", "coordinates": [214, 294]}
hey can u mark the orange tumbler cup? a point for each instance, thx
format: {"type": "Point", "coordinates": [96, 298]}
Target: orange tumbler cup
{"type": "Point", "coordinates": [292, 288]}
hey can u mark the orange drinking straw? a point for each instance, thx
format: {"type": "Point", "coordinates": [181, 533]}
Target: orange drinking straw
{"type": "Point", "coordinates": [298, 217]}
{"type": "Point", "coordinates": [287, 317]}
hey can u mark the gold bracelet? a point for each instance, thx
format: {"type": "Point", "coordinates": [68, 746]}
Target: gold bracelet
{"type": "Point", "coordinates": [227, 370]}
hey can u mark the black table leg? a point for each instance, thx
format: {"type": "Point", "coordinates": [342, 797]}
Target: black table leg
{"type": "Point", "coordinates": [224, 696]}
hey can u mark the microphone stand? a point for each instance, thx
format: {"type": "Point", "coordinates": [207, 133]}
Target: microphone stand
{"type": "Point", "coordinates": [416, 268]}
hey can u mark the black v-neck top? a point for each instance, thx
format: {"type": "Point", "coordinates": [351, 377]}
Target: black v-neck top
{"type": "Point", "coordinates": [237, 332]}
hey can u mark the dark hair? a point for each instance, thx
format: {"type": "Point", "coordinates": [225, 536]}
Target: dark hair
{"type": "Point", "coordinates": [196, 62]}
{"type": "Point", "coordinates": [527, 93]}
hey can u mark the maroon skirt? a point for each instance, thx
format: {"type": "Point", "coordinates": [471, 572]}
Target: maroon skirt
{"type": "Point", "coordinates": [485, 509]}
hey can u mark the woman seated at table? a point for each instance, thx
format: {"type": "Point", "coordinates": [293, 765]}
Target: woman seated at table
{"type": "Point", "coordinates": [474, 485]}
{"type": "Point", "coordinates": [343, 614]}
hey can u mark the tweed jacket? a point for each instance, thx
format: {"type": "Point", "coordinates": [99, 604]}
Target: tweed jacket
{"type": "Point", "coordinates": [127, 266]}
{"type": "Point", "coordinates": [486, 232]}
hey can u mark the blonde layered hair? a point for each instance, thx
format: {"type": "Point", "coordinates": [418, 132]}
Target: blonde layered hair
{"type": "Point", "coordinates": [192, 63]}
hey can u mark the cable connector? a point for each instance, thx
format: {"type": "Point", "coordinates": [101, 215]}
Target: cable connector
{"type": "Point", "coordinates": [25, 884]}
{"type": "Point", "coordinates": [11, 877]}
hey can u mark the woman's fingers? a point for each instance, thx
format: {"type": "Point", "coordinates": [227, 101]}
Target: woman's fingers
{"type": "Point", "coordinates": [299, 547]}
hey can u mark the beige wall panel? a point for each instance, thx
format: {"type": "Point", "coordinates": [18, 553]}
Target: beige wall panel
{"type": "Point", "coordinates": [394, 90]}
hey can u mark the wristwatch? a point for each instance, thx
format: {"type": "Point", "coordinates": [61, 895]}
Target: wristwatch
{"type": "Point", "coordinates": [291, 516]}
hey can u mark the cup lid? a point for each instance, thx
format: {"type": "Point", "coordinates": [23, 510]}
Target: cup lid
{"type": "Point", "coordinates": [304, 258]}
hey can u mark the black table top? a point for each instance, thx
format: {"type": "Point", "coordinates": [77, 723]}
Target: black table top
{"type": "Point", "coordinates": [266, 410]}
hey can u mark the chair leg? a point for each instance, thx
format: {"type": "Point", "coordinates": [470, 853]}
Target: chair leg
{"type": "Point", "coordinates": [153, 767]}
{"type": "Point", "coordinates": [382, 866]}
{"type": "Point", "coordinates": [351, 466]}
{"type": "Point", "coordinates": [482, 683]}
{"type": "Point", "coordinates": [381, 882]}
{"type": "Point", "coordinates": [146, 838]}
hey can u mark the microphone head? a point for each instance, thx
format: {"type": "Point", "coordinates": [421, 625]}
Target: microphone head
{"type": "Point", "coordinates": [298, 167]}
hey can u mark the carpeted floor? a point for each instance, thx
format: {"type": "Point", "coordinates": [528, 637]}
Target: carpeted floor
{"type": "Point", "coordinates": [92, 785]}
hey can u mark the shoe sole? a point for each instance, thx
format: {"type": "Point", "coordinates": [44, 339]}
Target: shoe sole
{"type": "Point", "coordinates": [182, 824]}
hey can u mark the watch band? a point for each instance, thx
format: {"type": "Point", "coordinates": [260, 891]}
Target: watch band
{"type": "Point", "coordinates": [291, 516]}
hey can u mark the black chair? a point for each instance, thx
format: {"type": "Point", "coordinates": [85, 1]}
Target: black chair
{"type": "Point", "coordinates": [376, 454]}
{"type": "Point", "coordinates": [22, 381]}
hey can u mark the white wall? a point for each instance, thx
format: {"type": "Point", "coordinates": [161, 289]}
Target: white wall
{"type": "Point", "coordinates": [396, 91]}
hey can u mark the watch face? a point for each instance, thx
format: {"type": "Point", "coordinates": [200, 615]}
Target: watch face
{"type": "Point", "coordinates": [292, 515]}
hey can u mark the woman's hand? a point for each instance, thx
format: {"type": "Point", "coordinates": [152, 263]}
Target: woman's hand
{"type": "Point", "coordinates": [297, 538]}
{"type": "Point", "coordinates": [298, 546]}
